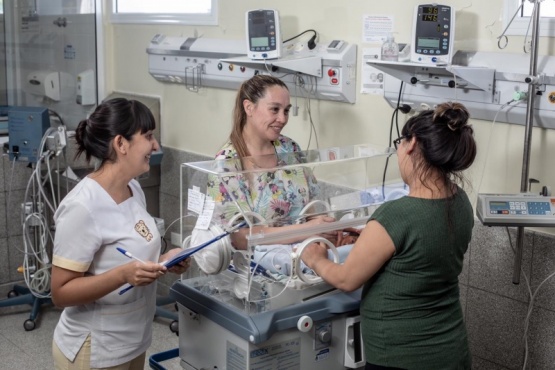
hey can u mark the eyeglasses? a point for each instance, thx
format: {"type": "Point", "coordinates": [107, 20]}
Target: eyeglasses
{"type": "Point", "coordinates": [398, 140]}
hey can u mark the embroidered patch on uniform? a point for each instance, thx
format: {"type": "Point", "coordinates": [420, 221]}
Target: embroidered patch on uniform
{"type": "Point", "coordinates": [143, 230]}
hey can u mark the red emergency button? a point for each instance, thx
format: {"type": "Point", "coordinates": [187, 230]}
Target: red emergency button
{"type": "Point", "coordinates": [331, 72]}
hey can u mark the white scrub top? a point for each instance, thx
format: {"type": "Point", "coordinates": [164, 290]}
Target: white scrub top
{"type": "Point", "coordinates": [89, 227]}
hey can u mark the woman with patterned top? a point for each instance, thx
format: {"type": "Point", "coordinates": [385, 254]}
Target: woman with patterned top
{"type": "Point", "coordinates": [261, 112]}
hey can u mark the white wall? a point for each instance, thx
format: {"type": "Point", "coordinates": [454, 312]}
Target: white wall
{"type": "Point", "coordinates": [201, 122]}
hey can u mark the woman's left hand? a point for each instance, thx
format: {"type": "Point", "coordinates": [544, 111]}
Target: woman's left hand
{"type": "Point", "coordinates": [181, 267]}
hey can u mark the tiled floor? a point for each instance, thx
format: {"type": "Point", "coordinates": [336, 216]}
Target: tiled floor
{"type": "Point", "coordinates": [20, 349]}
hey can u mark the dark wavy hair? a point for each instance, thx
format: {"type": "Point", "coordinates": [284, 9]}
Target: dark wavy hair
{"type": "Point", "coordinates": [113, 117]}
{"type": "Point", "coordinates": [445, 140]}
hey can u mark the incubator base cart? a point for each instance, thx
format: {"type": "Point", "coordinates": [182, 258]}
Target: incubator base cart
{"type": "Point", "coordinates": [301, 336]}
{"type": "Point", "coordinates": [261, 307]}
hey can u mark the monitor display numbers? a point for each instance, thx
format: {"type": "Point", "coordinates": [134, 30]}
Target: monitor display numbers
{"type": "Point", "coordinates": [258, 18]}
{"type": "Point", "coordinates": [429, 13]}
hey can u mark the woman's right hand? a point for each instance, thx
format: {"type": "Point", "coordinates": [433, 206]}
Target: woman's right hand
{"type": "Point", "coordinates": [313, 253]}
{"type": "Point", "coordinates": [140, 274]}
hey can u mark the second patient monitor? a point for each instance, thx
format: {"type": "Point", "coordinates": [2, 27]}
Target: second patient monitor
{"type": "Point", "coordinates": [263, 34]}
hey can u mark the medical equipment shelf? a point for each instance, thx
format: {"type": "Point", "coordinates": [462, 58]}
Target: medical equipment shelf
{"type": "Point", "coordinates": [492, 85]}
{"type": "Point", "coordinates": [480, 78]}
{"type": "Point", "coordinates": [310, 65]}
{"type": "Point", "coordinates": [201, 62]}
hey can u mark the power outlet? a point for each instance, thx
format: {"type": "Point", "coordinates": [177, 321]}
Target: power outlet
{"type": "Point", "coordinates": [176, 239]}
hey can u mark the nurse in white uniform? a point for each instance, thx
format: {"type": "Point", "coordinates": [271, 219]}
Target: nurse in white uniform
{"type": "Point", "coordinates": [100, 328]}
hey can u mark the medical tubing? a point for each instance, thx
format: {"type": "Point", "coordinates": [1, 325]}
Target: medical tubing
{"type": "Point", "coordinates": [38, 280]}
{"type": "Point", "coordinates": [313, 90]}
{"type": "Point", "coordinates": [530, 303]}
{"type": "Point", "coordinates": [489, 142]}
{"type": "Point", "coordinates": [37, 274]}
{"type": "Point", "coordinates": [284, 285]}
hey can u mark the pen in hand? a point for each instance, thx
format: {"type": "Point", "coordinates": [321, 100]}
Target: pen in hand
{"type": "Point", "coordinates": [129, 255]}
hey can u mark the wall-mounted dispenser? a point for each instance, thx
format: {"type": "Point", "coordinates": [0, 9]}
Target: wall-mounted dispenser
{"type": "Point", "coordinates": [86, 88]}
{"type": "Point", "coordinates": [43, 83]}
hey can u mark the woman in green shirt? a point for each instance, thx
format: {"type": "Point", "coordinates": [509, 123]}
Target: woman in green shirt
{"type": "Point", "coordinates": [410, 254]}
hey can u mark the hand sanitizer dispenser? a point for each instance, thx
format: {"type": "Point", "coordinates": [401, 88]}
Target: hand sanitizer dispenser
{"type": "Point", "coordinates": [86, 88]}
{"type": "Point", "coordinates": [390, 49]}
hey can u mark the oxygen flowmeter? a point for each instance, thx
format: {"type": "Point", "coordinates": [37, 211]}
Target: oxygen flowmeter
{"type": "Point", "coordinates": [433, 34]}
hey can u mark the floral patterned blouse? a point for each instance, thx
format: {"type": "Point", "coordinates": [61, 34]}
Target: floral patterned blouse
{"type": "Point", "coordinates": [278, 195]}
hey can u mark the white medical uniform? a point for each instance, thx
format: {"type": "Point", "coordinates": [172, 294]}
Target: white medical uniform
{"type": "Point", "coordinates": [89, 227]}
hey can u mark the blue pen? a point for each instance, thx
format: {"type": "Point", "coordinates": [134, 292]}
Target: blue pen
{"type": "Point", "coordinates": [129, 287]}
{"type": "Point", "coordinates": [129, 255]}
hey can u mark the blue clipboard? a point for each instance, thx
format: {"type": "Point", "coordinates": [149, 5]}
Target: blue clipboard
{"type": "Point", "coordinates": [183, 255]}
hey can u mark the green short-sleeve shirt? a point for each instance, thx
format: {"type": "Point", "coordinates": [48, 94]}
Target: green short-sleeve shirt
{"type": "Point", "coordinates": [411, 313]}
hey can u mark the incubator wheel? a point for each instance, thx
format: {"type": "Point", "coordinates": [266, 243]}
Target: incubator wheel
{"type": "Point", "coordinates": [12, 294]}
{"type": "Point", "coordinates": [299, 271]}
{"type": "Point", "coordinates": [174, 327]}
{"type": "Point", "coordinates": [29, 325]}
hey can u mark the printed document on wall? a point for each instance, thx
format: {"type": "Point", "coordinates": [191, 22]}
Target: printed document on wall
{"type": "Point", "coordinates": [375, 28]}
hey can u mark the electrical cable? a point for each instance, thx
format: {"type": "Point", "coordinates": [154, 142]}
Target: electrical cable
{"type": "Point", "coordinates": [303, 90]}
{"type": "Point", "coordinates": [394, 118]}
{"type": "Point", "coordinates": [311, 43]}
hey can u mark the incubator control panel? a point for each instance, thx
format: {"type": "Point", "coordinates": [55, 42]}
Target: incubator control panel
{"type": "Point", "coordinates": [516, 210]}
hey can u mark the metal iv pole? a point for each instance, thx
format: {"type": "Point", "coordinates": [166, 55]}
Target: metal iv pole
{"type": "Point", "coordinates": [533, 81]}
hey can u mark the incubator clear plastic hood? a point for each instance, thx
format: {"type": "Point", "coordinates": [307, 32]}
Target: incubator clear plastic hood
{"type": "Point", "coordinates": [249, 288]}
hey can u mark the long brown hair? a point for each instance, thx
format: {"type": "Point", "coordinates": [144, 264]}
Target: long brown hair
{"type": "Point", "coordinates": [253, 89]}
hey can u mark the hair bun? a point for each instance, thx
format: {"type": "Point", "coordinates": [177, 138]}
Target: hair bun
{"type": "Point", "coordinates": [454, 115]}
